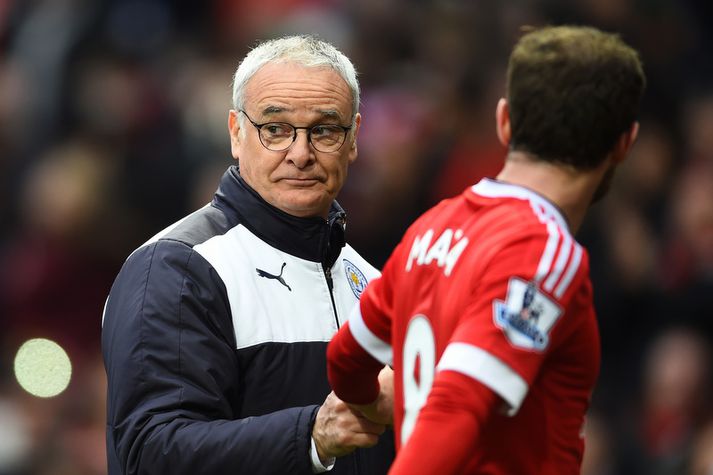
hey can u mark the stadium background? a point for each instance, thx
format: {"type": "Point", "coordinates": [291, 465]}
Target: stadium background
{"type": "Point", "coordinates": [113, 125]}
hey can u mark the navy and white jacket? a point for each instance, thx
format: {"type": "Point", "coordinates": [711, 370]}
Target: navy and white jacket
{"type": "Point", "coordinates": [214, 339]}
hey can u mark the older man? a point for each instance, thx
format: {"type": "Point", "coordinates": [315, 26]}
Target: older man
{"type": "Point", "coordinates": [215, 331]}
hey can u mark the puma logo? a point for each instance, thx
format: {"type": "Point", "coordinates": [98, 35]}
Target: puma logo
{"type": "Point", "coordinates": [278, 278]}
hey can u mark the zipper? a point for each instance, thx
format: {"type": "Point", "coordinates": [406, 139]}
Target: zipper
{"type": "Point", "coordinates": [330, 286]}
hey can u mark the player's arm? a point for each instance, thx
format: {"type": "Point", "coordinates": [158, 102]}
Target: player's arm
{"type": "Point", "coordinates": [358, 378]}
{"type": "Point", "coordinates": [382, 409]}
{"type": "Point", "coordinates": [357, 354]}
{"type": "Point", "coordinates": [448, 427]}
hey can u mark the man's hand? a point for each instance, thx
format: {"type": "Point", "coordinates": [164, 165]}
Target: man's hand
{"type": "Point", "coordinates": [339, 430]}
{"type": "Point", "coordinates": [382, 409]}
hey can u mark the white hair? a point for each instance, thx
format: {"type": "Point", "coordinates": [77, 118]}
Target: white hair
{"type": "Point", "coordinates": [304, 50]}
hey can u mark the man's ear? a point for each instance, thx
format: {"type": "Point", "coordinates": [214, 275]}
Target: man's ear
{"type": "Point", "coordinates": [502, 122]}
{"type": "Point", "coordinates": [234, 131]}
{"type": "Point", "coordinates": [353, 141]}
{"type": "Point", "coordinates": [631, 135]}
{"type": "Point", "coordinates": [625, 142]}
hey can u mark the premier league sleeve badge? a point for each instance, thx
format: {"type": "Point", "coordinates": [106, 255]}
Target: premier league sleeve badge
{"type": "Point", "coordinates": [526, 316]}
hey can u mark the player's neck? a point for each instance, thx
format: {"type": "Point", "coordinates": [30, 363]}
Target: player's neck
{"type": "Point", "coordinates": [570, 189]}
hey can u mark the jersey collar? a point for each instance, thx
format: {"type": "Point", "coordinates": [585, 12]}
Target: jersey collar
{"type": "Point", "coordinates": [544, 208]}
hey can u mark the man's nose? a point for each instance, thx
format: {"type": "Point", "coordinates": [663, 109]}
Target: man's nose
{"type": "Point", "coordinates": [301, 152]}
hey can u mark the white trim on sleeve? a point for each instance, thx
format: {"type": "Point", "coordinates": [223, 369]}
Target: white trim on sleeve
{"type": "Point", "coordinates": [488, 369]}
{"type": "Point", "coordinates": [373, 345]}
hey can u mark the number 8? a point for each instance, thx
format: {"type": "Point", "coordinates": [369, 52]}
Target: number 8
{"type": "Point", "coordinates": [418, 344]}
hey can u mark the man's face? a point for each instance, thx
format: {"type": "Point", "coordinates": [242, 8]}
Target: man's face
{"type": "Point", "coordinates": [300, 181]}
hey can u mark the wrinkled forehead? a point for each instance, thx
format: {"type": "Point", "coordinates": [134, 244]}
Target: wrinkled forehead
{"type": "Point", "coordinates": [289, 87]}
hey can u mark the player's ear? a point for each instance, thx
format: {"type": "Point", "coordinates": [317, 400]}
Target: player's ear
{"type": "Point", "coordinates": [352, 138]}
{"type": "Point", "coordinates": [502, 121]}
{"type": "Point", "coordinates": [625, 142]}
{"type": "Point", "coordinates": [632, 134]}
{"type": "Point", "coordinates": [234, 131]}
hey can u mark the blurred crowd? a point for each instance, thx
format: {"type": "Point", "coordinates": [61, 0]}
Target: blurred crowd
{"type": "Point", "coordinates": [113, 124]}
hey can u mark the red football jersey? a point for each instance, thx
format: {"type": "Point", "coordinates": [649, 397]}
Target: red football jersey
{"type": "Point", "coordinates": [487, 294]}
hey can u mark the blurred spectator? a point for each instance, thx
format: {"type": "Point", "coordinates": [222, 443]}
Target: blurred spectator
{"type": "Point", "coordinates": [698, 123]}
{"type": "Point", "coordinates": [688, 258]}
{"type": "Point", "coordinates": [387, 180]}
{"type": "Point", "coordinates": [63, 435]}
{"type": "Point", "coordinates": [692, 226]}
{"type": "Point", "coordinates": [675, 405]}
{"type": "Point", "coordinates": [599, 455]}
{"type": "Point", "coordinates": [702, 460]}
{"type": "Point", "coordinates": [55, 276]}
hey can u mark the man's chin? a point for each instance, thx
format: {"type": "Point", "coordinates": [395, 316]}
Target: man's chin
{"type": "Point", "coordinates": [305, 203]}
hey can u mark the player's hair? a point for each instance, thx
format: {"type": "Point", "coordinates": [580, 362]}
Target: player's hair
{"type": "Point", "coordinates": [572, 91]}
{"type": "Point", "coordinates": [304, 50]}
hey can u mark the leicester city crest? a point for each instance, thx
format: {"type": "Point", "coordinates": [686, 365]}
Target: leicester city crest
{"type": "Point", "coordinates": [356, 279]}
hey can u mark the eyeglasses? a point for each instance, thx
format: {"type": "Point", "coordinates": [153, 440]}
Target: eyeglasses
{"type": "Point", "coordinates": [279, 136]}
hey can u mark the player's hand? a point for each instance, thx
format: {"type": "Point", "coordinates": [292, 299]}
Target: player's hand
{"type": "Point", "coordinates": [381, 410]}
{"type": "Point", "coordinates": [339, 430]}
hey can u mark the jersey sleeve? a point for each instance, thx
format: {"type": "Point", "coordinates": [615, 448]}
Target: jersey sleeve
{"type": "Point", "coordinates": [448, 426]}
{"type": "Point", "coordinates": [523, 307]}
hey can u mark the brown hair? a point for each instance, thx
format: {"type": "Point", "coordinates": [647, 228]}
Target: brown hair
{"type": "Point", "coordinates": [572, 91]}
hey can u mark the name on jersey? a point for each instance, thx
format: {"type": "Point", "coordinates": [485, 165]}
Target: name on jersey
{"type": "Point", "coordinates": [445, 251]}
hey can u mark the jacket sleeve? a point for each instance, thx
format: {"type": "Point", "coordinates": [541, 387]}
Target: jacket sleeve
{"type": "Point", "coordinates": [174, 380]}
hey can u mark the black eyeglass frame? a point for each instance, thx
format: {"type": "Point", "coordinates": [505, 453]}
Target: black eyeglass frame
{"type": "Point", "coordinates": [294, 133]}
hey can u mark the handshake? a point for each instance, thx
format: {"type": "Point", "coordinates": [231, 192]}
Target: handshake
{"type": "Point", "coordinates": [341, 428]}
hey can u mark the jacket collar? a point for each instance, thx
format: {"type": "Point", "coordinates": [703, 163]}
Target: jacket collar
{"type": "Point", "coordinates": [314, 239]}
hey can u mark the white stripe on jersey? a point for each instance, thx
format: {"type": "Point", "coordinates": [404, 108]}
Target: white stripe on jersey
{"type": "Point", "coordinates": [551, 217]}
{"type": "Point", "coordinates": [571, 270]}
{"type": "Point", "coordinates": [556, 273]}
{"type": "Point", "coordinates": [488, 369]}
{"type": "Point", "coordinates": [373, 345]}
{"type": "Point", "coordinates": [549, 253]}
